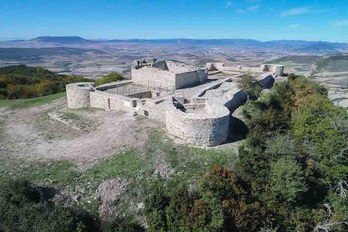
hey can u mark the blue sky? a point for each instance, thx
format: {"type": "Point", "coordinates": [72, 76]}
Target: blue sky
{"type": "Point", "coordinates": [325, 20]}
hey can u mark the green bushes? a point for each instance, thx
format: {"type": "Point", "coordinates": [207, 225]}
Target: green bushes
{"type": "Point", "coordinates": [111, 77]}
{"type": "Point", "coordinates": [223, 202]}
{"type": "Point", "coordinates": [287, 179]}
{"type": "Point", "coordinates": [291, 154]}
{"type": "Point", "coordinates": [23, 207]}
{"type": "Point", "coordinates": [20, 81]}
{"type": "Point", "coordinates": [291, 173]}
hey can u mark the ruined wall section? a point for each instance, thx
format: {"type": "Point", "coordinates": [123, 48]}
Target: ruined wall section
{"type": "Point", "coordinates": [192, 78]}
{"type": "Point", "coordinates": [154, 109]}
{"type": "Point", "coordinates": [277, 69]}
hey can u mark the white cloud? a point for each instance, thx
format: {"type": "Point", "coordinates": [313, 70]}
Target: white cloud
{"type": "Point", "coordinates": [341, 23]}
{"type": "Point", "coordinates": [295, 11]}
{"type": "Point", "coordinates": [303, 10]}
{"type": "Point", "coordinates": [251, 8]}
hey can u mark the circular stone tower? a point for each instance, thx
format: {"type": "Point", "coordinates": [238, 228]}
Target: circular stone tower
{"type": "Point", "coordinates": [78, 94]}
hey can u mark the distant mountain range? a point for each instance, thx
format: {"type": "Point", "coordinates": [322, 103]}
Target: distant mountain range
{"type": "Point", "coordinates": [299, 46]}
{"type": "Point", "coordinates": [61, 39]}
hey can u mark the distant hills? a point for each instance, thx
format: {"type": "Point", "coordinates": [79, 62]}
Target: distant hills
{"type": "Point", "coordinates": [298, 46]}
{"type": "Point", "coordinates": [61, 39]}
{"type": "Point", "coordinates": [322, 47]}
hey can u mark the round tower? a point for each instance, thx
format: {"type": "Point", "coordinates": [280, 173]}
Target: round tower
{"type": "Point", "coordinates": [78, 94]}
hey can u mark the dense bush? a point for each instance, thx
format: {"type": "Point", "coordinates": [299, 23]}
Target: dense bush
{"type": "Point", "coordinates": [20, 81]}
{"type": "Point", "coordinates": [111, 77]}
{"type": "Point", "coordinates": [291, 174]}
{"type": "Point", "coordinates": [222, 203]}
{"type": "Point", "coordinates": [23, 207]}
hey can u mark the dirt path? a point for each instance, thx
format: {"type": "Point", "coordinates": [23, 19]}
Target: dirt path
{"type": "Point", "coordinates": [115, 131]}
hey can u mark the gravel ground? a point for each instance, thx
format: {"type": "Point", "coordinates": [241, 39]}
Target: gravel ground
{"type": "Point", "coordinates": [27, 133]}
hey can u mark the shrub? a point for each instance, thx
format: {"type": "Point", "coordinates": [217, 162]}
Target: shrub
{"type": "Point", "coordinates": [287, 179]}
{"type": "Point", "coordinates": [23, 208]}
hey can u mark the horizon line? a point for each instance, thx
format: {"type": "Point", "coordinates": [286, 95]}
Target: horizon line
{"type": "Point", "coordinates": [9, 39]}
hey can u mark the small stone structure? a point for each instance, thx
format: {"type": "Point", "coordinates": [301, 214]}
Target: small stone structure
{"type": "Point", "coordinates": [157, 91]}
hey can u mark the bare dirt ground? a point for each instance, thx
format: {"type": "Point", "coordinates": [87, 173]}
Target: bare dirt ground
{"type": "Point", "coordinates": [31, 135]}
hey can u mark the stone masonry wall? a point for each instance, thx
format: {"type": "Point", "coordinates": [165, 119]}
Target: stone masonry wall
{"type": "Point", "coordinates": [188, 79]}
{"type": "Point", "coordinates": [154, 78]}
{"type": "Point", "coordinates": [108, 101]}
{"type": "Point", "coordinates": [203, 129]}
{"type": "Point", "coordinates": [78, 94]}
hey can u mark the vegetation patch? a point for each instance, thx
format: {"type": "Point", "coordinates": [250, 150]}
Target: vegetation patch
{"type": "Point", "coordinates": [21, 82]}
{"type": "Point", "coordinates": [111, 77]}
{"type": "Point", "coordinates": [290, 173]}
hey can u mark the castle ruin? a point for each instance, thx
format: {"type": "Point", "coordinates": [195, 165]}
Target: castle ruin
{"type": "Point", "coordinates": [193, 106]}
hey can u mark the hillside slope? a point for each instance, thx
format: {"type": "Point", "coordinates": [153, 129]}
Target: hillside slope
{"type": "Point", "coordinates": [20, 81]}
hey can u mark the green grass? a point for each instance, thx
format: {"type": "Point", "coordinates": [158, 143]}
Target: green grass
{"type": "Point", "coordinates": [126, 164]}
{"type": "Point", "coordinates": [57, 173]}
{"type": "Point", "coordinates": [23, 103]}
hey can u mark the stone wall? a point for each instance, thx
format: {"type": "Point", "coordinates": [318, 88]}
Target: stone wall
{"type": "Point", "coordinates": [108, 101]}
{"type": "Point", "coordinates": [78, 94]}
{"type": "Point", "coordinates": [192, 78]}
{"type": "Point", "coordinates": [164, 79]}
{"type": "Point", "coordinates": [201, 129]}
{"type": "Point", "coordinates": [153, 78]}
